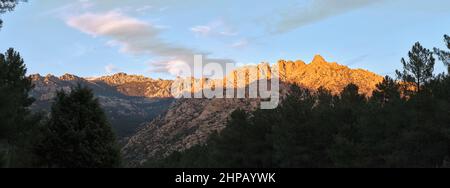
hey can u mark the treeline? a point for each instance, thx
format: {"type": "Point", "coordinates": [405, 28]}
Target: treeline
{"type": "Point", "coordinates": [75, 134]}
{"type": "Point", "coordinates": [404, 123]}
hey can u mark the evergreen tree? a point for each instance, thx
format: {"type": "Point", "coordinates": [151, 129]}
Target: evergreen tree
{"type": "Point", "coordinates": [78, 134]}
{"type": "Point", "coordinates": [388, 91]}
{"type": "Point", "coordinates": [293, 130]}
{"type": "Point", "coordinates": [347, 149]}
{"type": "Point", "coordinates": [230, 150]}
{"type": "Point", "coordinates": [5, 154]}
{"type": "Point", "coordinates": [419, 68]}
{"type": "Point", "coordinates": [350, 95]}
{"type": "Point", "coordinates": [14, 102]}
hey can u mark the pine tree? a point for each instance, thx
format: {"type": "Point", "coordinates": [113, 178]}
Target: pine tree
{"type": "Point", "coordinates": [14, 101]}
{"type": "Point", "coordinates": [419, 68]}
{"type": "Point", "coordinates": [78, 134]}
{"type": "Point", "coordinates": [351, 97]}
{"type": "Point", "coordinates": [347, 150]}
{"type": "Point", "coordinates": [387, 91]}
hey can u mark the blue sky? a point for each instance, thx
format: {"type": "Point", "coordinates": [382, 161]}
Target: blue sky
{"type": "Point", "coordinates": [148, 37]}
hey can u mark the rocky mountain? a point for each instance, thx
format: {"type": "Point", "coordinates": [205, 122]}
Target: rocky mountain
{"type": "Point", "coordinates": [139, 86]}
{"type": "Point", "coordinates": [143, 109]}
{"type": "Point", "coordinates": [128, 100]}
{"type": "Point", "coordinates": [332, 76]}
{"type": "Point", "coordinates": [190, 121]}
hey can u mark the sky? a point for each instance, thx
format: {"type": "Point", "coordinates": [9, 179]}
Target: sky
{"type": "Point", "coordinates": [92, 38]}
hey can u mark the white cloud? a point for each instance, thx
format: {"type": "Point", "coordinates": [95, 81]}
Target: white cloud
{"type": "Point", "coordinates": [240, 44]}
{"type": "Point", "coordinates": [110, 69]}
{"type": "Point", "coordinates": [316, 10]}
{"type": "Point", "coordinates": [73, 7]}
{"type": "Point", "coordinates": [86, 4]}
{"type": "Point", "coordinates": [144, 8]}
{"type": "Point", "coordinates": [214, 28]}
{"type": "Point", "coordinates": [137, 37]}
{"type": "Point", "coordinates": [177, 67]}
{"type": "Point", "coordinates": [228, 33]}
{"type": "Point", "coordinates": [201, 30]}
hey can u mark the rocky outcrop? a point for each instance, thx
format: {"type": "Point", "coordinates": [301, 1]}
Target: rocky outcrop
{"type": "Point", "coordinates": [187, 123]}
{"type": "Point", "coordinates": [133, 85]}
{"type": "Point", "coordinates": [190, 121]}
{"type": "Point", "coordinates": [332, 76]}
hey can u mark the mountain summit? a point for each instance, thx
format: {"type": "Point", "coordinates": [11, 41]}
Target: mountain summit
{"type": "Point", "coordinates": [318, 59]}
{"type": "Point", "coordinates": [332, 76]}
{"type": "Point", "coordinates": [189, 122]}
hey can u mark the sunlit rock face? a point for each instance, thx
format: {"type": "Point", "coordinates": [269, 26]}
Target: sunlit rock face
{"type": "Point", "coordinates": [189, 122]}
{"type": "Point", "coordinates": [332, 76]}
{"type": "Point", "coordinates": [134, 85]}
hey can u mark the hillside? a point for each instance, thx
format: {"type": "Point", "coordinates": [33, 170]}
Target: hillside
{"type": "Point", "coordinates": [189, 122]}
{"type": "Point", "coordinates": [141, 108]}
{"type": "Point", "coordinates": [128, 100]}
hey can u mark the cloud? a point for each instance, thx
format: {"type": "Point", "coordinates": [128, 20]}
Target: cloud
{"type": "Point", "coordinates": [137, 37]}
{"type": "Point", "coordinates": [144, 8]}
{"type": "Point", "coordinates": [240, 44]}
{"type": "Point", "coordinates": [315, 10]}
{"type": "Point", "coordinates": [176, 67]}
{"type": "Point", "coordinates": [111, 69]}
{"type": "Point", "coordinates": [86, 4]}
{"type": "Point", "coordinates": [202, 30]}
{"type": "Point", "coordinates": [214, 28]}
{"type": "Point", "coordinates": [228, 33]}
{"type": "Point", "coordinates": [71, 8]}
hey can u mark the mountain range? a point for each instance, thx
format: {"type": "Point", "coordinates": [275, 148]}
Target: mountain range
{"type": "Point", "coordinates": [151, 124]}
{"type": "Point", "coordinates": [128, 100]}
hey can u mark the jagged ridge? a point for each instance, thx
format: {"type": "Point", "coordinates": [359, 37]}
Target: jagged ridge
{"type": "Point", "coordinates": [190, 121]}
{"type": "Point", "coordinates": [128, 100]}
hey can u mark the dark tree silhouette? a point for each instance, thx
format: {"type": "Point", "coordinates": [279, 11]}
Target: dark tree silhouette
{"type": "Point", "coordinates": [419, 68]}
{"type": "Point", "coordinates": [78, 134]}
{"type": "Point", "coordinates": [14, 101]}
{"type": "Point", "coordinates": [387, 91]}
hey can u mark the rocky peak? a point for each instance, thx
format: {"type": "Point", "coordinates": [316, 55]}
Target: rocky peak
{"type": "Point", "coordinates": [50, 77]}
{"type": "Point", "coordinates": [123, 78]}
{"type": "Point", "coordinates": [329, 75]}
{"type": "Point", "coordinates": [318, 60]}
{"type": "Point", "coordinates": [138, 85]}
{"type": "Point", "coordinates": [319, 73]}
{"type": "Point", "coordinates": [35, 77]}
{"type": "Point", "coordinates": [69, 77]}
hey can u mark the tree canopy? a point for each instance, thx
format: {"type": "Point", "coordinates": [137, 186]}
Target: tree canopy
{"type": "Point", "coordinates": [14, 102]}
{"type": "Point", "coordinates": [78, 134]}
